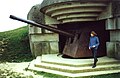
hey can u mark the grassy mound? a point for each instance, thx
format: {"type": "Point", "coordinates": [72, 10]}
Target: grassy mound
{"type": "Point", "coordinates": [14, 45]}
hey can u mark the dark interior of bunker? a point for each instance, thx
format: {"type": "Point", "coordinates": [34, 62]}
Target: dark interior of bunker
{"type": "Point", "coordinates": [84, 29]}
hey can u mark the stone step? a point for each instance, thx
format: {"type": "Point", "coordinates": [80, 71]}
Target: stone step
{"type": "Point", "coordinates": [77, 69]}
{"type": "Point", "coordinates": [74, 67]}
{"type": "Point", "coordinates": [80, 75]}
{"type": "Point", "coordinates": [82, 64]}
{"type": "Point", "coordinates": [53, 59]}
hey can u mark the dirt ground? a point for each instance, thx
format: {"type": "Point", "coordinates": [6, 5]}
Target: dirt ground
{"type": "Point", "coordinates": [16, 70]}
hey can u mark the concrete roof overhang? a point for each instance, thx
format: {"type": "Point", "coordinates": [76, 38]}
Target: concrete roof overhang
{"type": "Point", "coordinates": [50, 2]}
{"type": "Point", "coordinates": [73, 10]}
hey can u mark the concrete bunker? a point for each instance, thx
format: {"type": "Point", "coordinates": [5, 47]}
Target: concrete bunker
{"type": "Point", "coordinates": [99, 15]}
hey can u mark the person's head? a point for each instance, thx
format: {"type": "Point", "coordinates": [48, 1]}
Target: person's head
{"type": "Point", "coordinates": [93, 33]}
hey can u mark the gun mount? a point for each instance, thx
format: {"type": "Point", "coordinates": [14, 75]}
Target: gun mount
{"type": "Point", "coordinates": [73, 47]}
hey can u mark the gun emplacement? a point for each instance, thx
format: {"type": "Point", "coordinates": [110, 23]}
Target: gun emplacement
{"type": "Point", "coordinates": [72, 47]}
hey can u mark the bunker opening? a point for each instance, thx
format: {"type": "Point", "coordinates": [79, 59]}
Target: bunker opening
{"type": "Point", "coordinates": [83, 30]}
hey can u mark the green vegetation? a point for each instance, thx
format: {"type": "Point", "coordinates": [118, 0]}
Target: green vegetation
{"type": "Point", "coordinates": [11, 74]}
{"type": "Point", "coordinates": [14, 45]}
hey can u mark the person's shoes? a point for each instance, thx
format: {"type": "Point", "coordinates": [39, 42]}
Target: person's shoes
{"type": "Point", "coordinates": [93, 66]}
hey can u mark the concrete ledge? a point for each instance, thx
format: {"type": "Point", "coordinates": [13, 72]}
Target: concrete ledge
{"type": "Point", "coordinates": [74, 67]}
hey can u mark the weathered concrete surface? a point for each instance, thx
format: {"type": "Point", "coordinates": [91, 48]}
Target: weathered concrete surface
{"type": "Point", "coordinates": [116, 8]}
{"type": "Point", "coordinates": [110, 24]}
{"type": "Point", "coordinates": [44, 44]}
{"type": "Point", "coordinates": [113, 25]}
{"type": "Point", "coordinates": [107, 13]}
{"type": "Point", "coordinates": [50, 2]}
{"type": "Point", "coordinates": [74, 67]}
{"type": "Point", "coordinates": [65, 11]}
{"type": "Point", "coordinates": [110, 49]}
{"type": "Point", "coordinates": [41, 40]}
{"type": "Point", "coordinates": [74, 11]}
{"type": "Point", "coordinates": [111, 15]}
{"type": "Point", "coordinates": [113, 49]}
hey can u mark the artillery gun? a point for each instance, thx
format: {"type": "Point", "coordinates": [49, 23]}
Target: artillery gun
{"type": "Point", "coordinates": [73, 48]}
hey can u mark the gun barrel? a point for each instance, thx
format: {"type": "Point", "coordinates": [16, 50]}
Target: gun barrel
{"type": "Point", "coordinates": [42, 26]}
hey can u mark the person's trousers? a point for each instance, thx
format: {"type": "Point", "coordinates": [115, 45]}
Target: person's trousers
{"type": "Point", "coordinates": [94, 52]}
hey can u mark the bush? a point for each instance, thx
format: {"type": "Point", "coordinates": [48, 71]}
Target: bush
{"type": "Point", "coordinates": [14, 45]}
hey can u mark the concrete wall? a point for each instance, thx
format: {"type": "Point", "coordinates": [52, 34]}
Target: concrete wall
{"type": "Point", "coordinates": [44, 42]}
{"type": "Point", "coordinates": [107, 13]}
{"type": "Point", "coordinates": [113, 25]}
{"type": "Point", "coordinates": [41, 41]}
{"type": "Point", "coordinates": [111, 15]}
{"type": "Point", "coordinates": [49, 20]}
{"type": "Point", "coordinates": [113, 47]}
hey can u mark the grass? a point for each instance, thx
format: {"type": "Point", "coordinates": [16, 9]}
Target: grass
{"type": "Point", "coordinates": [15, 45]}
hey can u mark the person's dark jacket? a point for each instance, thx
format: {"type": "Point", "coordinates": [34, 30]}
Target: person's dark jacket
{"type": "Point", "coordinates": [94, 41]}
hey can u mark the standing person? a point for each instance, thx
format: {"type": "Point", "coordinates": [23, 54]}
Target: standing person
{"type": "Point", "coordinates": [93, 46]}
